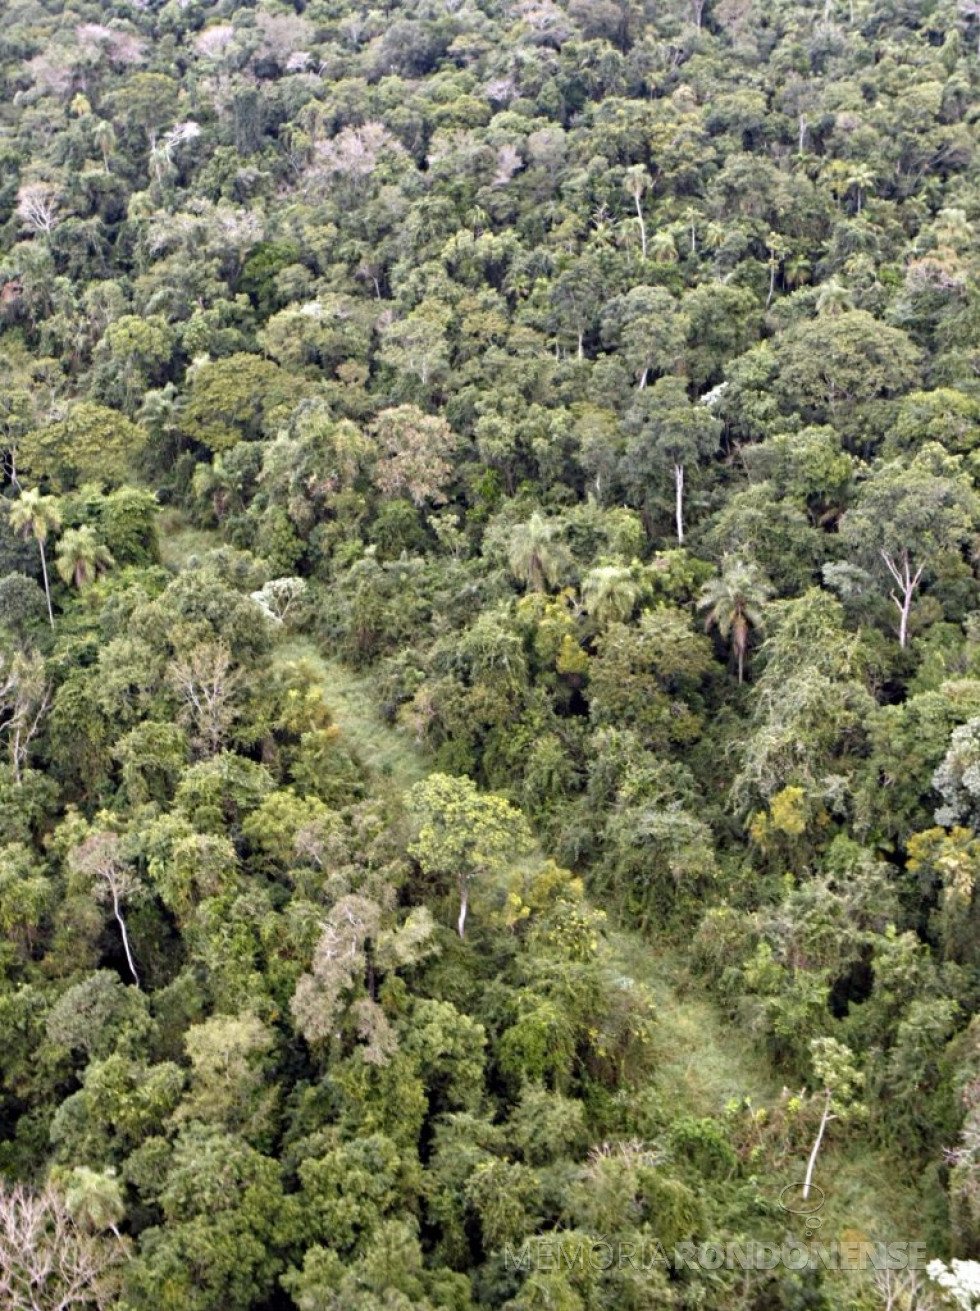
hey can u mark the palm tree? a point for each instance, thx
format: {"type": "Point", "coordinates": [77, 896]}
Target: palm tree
{"type": "Point", "coordinates": [860, 178]}
{"type": "Point", "coordinates": [536, 559]}
{"type": "Point", "coordinates": [662, 247]}
{"type": "Point", "coordinates": [734, 602]}
{"type": "Point", "coordinates": [82, 557]}
{"type": "Point", "coordinates": [610, 593]}
{"type": "Point", "coordinates": [635, 184]}
{"type": "Point", "coordinates": [834, 298]}
{"type": "Point", "coordinates": [34, 515]}
{"type": "Point", "coordinates": [796, 270]}
{"type": "Point", "coordinates": [104, 137]}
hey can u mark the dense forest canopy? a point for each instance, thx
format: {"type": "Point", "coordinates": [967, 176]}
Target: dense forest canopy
{"type": "Point", "coordinates": [489, 650]}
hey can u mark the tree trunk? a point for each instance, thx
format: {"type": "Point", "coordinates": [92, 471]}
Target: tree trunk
{"type": "Point", "coordinates": [643, 379]}
{"type": "Point", "coordinates": [125, 936]}
{"type": "Point", "coordinates": [907, 584]}
{"type": "Point", "coordinates": [643, 226]}
{"type": "Point", "coordinates": [581, 344]}
{"type": "Point", "coordinates": [824, 1119]}
{"type": "Point", "coordinates": [47, 585]}
{"type": "Point", "coordinates": [679, 502]}
{"type": "Point", "coordinates": [464, 894]}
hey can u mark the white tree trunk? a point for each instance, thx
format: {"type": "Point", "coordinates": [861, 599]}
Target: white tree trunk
{"type": "Point", "coordinates": [125, 936]}
{"type": "Point", "coordinates": [464, 894]}
{"type": "Point", "coordinates": [824, 1119]}
{"type": "Point", "coordinates": [47, 585]}
{"type": "Point", "coordinates": [907, 582]}
{"type": "Point", "coordinates": [679, 502]}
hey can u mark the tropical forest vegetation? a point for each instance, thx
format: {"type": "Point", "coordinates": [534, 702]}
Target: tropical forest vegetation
{"type": "Point", "coordinates": [489, 652]}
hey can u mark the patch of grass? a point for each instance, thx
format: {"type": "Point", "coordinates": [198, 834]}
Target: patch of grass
{"type": "Point", "coordinates": [179, 539]}
{"type": "Point", "coordinates": [390, 754]}
{"type": "Point", "coordinates": [702, 1061]}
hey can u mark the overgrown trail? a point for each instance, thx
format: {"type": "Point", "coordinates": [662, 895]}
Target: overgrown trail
{"type": "Point", "coordinates": [389, 754]}
{"type": "Point", "coordinates": [704, 1061]}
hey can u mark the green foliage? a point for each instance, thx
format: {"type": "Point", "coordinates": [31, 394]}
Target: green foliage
{"type": "Point", "coordinates": [545, 368]}
{"type": "Point", "coordinates": [90, 444]}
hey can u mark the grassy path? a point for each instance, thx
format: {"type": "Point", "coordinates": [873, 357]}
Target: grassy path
{"type": "Point", "coordinates": [387, 752]}
{"type": "Point", "coordinates": [703, 1063]}
{"type": "Point", "coordinates": [703, 1059]}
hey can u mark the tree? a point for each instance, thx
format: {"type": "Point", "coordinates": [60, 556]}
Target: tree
{"type": "Point", "coordinates": [734, 602]}
{"type": "Point", "coordinates": [34, 515]}
{"type": "Point", "coordinates": [235, 399]}
{"type": "Point", "coordinates": [416, 345]}
{"type": "Point", "coordinates": [536, 556]}
{"type": "Point", "coordinates": [148, 100]}
{"type": "Point", "coordinates": [25, 698]}
{"type": "Point", "coordinates": [463, 835]}
{"type": "Point", "coordinates": [91, 444]}
{"type": "Point", "coordinates": [413, 454]}
{"type": "Point", "coordinates": [648, 328]}
{"type": "Point", "coordinates": [82, 558]}
{"type": "Point", "coordinates": [100, 858]}
{"type": "Point", "coordinates": [841, 1082]}
{"type": "Point", "coordinates": [207, 684]}
{"type": "Point", "coordinates": [957, 778]}
{"type": "Point", "coordinates": [668, 432]}
{"type": "Point", "coordinates": [838, 369]}
{"type": "Point", "coordinates": [225, 1223]}
{"type": "Point", "coordinates": [282, 598]}
{"type": "Point", "coordinates": [37, 207]}
{"type": "Point", "coordinates": [229, 1074]}
{"type": "Point", "coordinates": [960, 1280]}
{"type": "Point", "coordinates": [906, 515]}
{"type": "Point", "coordinates": [576, 295]}
{"type": "Point", "coordinates": [52, 1261]}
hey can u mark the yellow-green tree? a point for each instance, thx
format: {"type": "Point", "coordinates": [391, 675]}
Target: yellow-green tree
{"type": "Point", "coordinates": [464, 835]}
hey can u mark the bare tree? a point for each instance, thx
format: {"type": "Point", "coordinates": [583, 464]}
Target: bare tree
{"type": "Point", "coordinates": [48, 1262]}
{"type": "Point", "coordinates": [206, 683]}
{"type": "Point", "coordinates": [25, 698]}
{"type": "Point", "coordinates": [101, 859]}
{"type": "Point", "coordinates": [37, 207]}
{"type": "Point", "coordinates": [904, 1290]}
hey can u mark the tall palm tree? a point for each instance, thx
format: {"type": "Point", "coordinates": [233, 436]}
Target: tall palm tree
{"type": "Point", "coordinates": [536, 559]}
{"type": "Point", "coordinates": [734, 602]}
{"type": "Point", "coordinates": [82, 557]}
{"type": "Point", "coordinates": [34, 515]}
{"type": "Point", "coordinates": [860, 178]}
{"type": "Point", "coordinates": [610, 592]}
